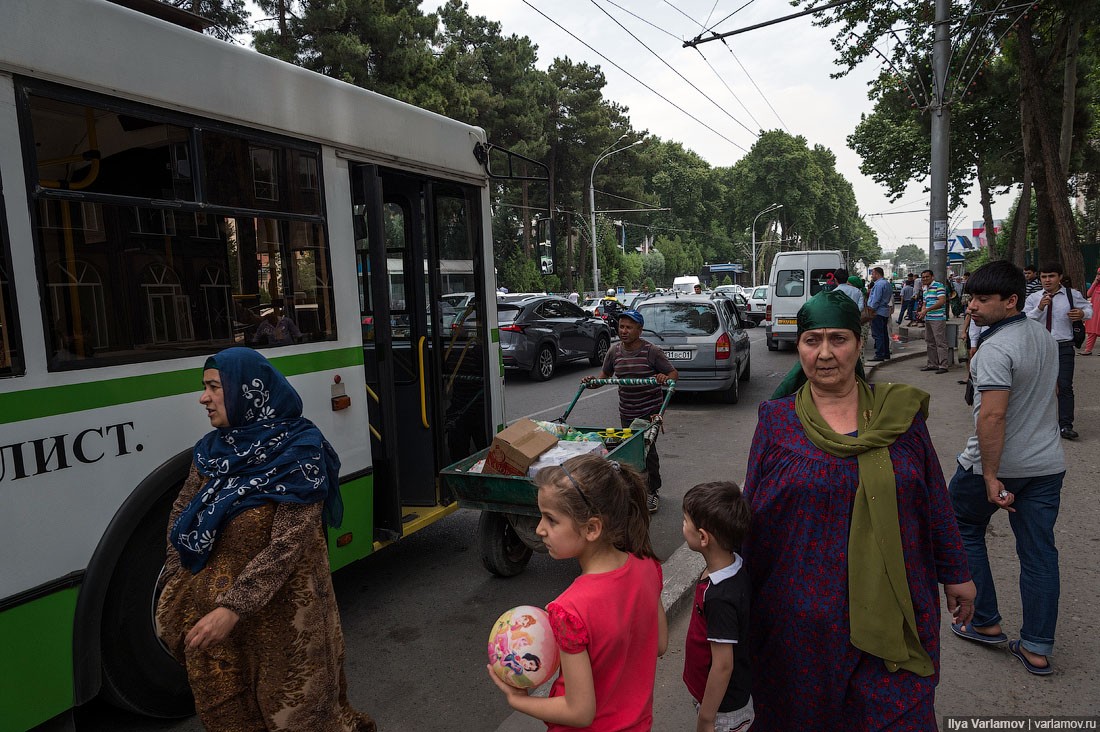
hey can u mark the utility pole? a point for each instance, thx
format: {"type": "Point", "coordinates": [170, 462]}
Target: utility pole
{"type": "Point", "coordinates": [941, 142]}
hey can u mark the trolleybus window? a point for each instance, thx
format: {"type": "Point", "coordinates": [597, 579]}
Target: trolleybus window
{"type": "Point", "coordinates": [135, 270]}
{"type": "Point", "coordinates": [10, 362]}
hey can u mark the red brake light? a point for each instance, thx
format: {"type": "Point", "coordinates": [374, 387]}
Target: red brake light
{"type": "Point", "coordinates": [512, 328]}
{"type": "Point", "coordinates": [768, 312]}
{"type": "Point", "coordinates": [722, 347]}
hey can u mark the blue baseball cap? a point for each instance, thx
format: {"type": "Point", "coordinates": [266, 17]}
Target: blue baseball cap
{"type": "Point", "coordinates": [633, 315]}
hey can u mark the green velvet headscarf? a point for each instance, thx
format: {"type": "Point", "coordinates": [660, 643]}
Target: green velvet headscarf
{"type": "Point", "coordinates": [857, 282]}
{"type": "Point", "coordinates": [880, 606]}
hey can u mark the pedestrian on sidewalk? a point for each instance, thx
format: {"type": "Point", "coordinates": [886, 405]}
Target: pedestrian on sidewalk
{"type": "Point", "coordinates": [716, 654]}
{"type": "Point", "coordinates": [849, 288]}
{"type": "Point", "coordinates": [609, 624]}
{"type": "Point", "coordinates": [1092, 327]}
{"type": "Point", "coordinates": [1013, 461]}
{"type": "Point", "coordinates": [1057, 307]}
{"type": "Point", "coordinates": [852, 529]}
{"type": "Point", "coordinates": [1031, 274]}
{"type": "Point", "coordinates": [933, 312]}
{"type": "Point", "coordinates": [880, 300]}
{"type": "Point", "coordinates": [633, 357]}
{"type": "Point", "coordinates": [908, 300]}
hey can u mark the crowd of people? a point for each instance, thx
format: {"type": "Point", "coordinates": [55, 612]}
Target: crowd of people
{"type": "Point", "coordinates": [819, 606]}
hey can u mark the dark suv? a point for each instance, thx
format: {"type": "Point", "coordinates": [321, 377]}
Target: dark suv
{"type": "Point", "coordinates": [539, 332]}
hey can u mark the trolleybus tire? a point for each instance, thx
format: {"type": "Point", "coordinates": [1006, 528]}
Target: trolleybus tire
{"type": "Point", "coordinates": [502, 550]}
{"type": "Point", "coordinates": [139, 674]}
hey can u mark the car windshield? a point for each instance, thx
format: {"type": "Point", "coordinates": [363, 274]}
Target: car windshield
{"type": "Point", "coordinates": [679, 317]}
{"type": "Point", "coordinates": [760, 293]}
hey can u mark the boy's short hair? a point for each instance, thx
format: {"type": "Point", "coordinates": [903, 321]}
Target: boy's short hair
{"type": "Point", "coordinates": [719, 509]}
{"type": "Point", "coordinates": [999, 277]}
{"type": "Point", "coordinates": [1051, 265]}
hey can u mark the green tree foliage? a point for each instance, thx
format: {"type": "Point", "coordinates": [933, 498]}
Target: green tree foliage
{"type": "Point", "coordinates": [382, 45]}
{"type": "Point", "coordinates": [910, 255]}
{"type": "Point", "coordinates": [230, 17]}
{"type": "Point", "coordinates": [653, 268]}
{"type": "Point", "coordinates": [819, 206]}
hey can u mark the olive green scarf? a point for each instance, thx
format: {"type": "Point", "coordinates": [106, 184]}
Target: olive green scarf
{"type": "Point", "coordinates": [881, 614]}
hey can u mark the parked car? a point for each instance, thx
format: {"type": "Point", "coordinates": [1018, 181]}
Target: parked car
{"type": "Point", "coordinates": [898, 284]}
{"type": "Point", "coordinates": [542, 331]}
{"type": "Point", "coordinates": [758, 304]}
{"type": "Point", "coordinates": [742, 304]}
{"type": "Point", "coordinates": [590, 303]}
{"type": "Point", "coordinates": [731, 289]}
{"type": "Point", "coordinates": [704, 338]}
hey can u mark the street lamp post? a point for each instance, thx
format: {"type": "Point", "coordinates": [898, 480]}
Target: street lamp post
{"type": "Point", "coordinates": [773, 207]}
{"type": "Point", "coordinates": [607, 152]}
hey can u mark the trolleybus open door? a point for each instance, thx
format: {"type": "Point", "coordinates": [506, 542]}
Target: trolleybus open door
{"type": "Point", "coordinates": [422, 282]}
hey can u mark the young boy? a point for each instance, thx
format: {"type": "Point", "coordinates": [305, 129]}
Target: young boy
{"type": "Point", "coordinates": [716, 658]}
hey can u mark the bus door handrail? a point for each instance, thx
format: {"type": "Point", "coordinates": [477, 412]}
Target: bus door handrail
{"type": "Point", "coordinates": [423, 395]}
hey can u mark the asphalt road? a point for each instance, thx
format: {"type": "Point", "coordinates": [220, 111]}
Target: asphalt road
{"type": "Point", "coordinates": [417, 614]}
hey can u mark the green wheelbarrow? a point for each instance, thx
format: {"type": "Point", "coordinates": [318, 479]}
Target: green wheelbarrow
{"type": "Point", "coordinates": [509, 504]}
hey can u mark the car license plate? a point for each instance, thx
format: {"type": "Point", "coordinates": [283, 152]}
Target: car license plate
{"type": "Point", "coordinates": [678, 355]}
{"type": "Point", "coordinates": [787, 321]}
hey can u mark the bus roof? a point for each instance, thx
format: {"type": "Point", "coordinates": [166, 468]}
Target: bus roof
{"type": "Point", "coordinates": [101, 46]}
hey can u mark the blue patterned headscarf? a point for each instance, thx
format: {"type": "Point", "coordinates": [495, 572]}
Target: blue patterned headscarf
{"type": "Point", "coordinates": [268, 453]}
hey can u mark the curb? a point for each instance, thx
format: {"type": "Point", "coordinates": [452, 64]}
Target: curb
{"type": "Point", "coordinates": [893, 359]}
{"type": "Point", "coordinates": [681, 571]}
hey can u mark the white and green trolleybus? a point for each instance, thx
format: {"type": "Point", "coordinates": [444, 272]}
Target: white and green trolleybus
{"type": "Point", "coordinates": [166, 195]}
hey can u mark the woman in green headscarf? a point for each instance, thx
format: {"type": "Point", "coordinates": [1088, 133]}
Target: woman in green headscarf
{"type": "Point", "coordinates": [852, 531]}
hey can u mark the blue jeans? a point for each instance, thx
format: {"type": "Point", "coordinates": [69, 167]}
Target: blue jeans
{"type": "Point", "coordinates": [907, 310]}
{"type": "Point", "coordinates": [880, 329]}
{"type": "Point", "coordinates": [1032, 523]}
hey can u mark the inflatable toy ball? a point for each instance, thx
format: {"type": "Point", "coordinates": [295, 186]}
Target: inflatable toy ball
{"type": "Point", "coordinates": [522, 649]}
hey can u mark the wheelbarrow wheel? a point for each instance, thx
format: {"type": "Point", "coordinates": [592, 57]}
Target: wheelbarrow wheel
{"type": "Point", "coordinates": [502, 551]}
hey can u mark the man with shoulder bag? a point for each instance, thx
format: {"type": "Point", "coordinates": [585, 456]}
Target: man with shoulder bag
{"type": "Point", "coordinates": [1059, 308]}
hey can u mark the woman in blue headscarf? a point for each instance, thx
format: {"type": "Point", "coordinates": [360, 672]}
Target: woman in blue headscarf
{"type": "Point", "coordinates": [247, 602]}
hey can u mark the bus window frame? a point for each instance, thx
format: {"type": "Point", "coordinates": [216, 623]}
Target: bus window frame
{"type": "Point", "coordinates": [10, 305]}
{"type": "Point", "coordinates": [26, 87]}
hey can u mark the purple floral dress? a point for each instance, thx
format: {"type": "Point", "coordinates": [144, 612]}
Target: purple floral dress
{"type": "Point", "coordinates": [806, 673]}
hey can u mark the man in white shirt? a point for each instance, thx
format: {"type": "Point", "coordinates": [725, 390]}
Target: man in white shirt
{"type": "Point", "coordinates": [1056, 308]}
{"type": "Point", "coordinates": [848, 288]}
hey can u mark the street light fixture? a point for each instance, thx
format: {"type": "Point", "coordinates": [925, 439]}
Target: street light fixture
{"type": "Point", "coordinates": [773, 207]}
{"type": "Point", "coordinates": [607, 152]}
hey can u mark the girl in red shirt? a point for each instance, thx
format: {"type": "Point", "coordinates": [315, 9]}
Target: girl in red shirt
{"type": "Point", "coordinates": [609, 624]}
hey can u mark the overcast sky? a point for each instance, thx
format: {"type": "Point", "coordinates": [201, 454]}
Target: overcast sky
{"type": "Point", "coordinates": [790, 62]}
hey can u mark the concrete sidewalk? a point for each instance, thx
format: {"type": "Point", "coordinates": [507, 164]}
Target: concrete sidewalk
{"type": "Point", "coordinates": [974, 681]}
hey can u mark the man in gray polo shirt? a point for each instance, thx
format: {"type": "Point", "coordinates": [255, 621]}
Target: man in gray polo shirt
{"type": "Point", "coordinates": [1014, 462]}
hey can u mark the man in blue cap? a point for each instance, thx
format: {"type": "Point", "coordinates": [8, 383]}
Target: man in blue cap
{"type": "Point", "coordinates": [636, 358]}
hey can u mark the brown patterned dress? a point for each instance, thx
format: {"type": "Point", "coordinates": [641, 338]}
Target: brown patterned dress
{"type": "Point", "coordinates": [282, 665]}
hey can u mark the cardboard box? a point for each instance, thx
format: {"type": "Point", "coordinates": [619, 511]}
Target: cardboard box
{"type": "Point", "coordinates": [516, 447]}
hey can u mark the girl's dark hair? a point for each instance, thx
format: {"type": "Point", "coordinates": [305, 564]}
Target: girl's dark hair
{"type": "Point", "coordinates": [604, 489]}
{"type": "Point", "coordinates": [719, 509]}
{"type": "Point", "coordinates": [999, 277]}
{"type": "Point", "coordinates": [533, 657]}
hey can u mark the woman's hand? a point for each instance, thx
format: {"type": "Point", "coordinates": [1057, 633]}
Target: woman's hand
{"type": "Point", "coordinates": [960, 601]}
{"type": "Point", "coordinates": [212, 628]}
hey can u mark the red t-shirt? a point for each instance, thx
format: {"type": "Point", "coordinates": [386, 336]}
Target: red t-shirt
{"type": "Point", "coordinates": [613, 616]}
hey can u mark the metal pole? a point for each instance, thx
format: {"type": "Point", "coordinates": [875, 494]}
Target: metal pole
{"type": "Point", "coordinates": [592, 231]}
{"type": "Point", "coordinates": [773, 207]}
{"type": "Point", "coordinates": [941, 142]}
{"type": "Point", "coordinates": [592, 204]}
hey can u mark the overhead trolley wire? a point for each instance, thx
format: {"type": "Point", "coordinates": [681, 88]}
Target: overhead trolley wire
{"type": "Point", "coordinates": [673, 69]}
{"type": "Point", "coordinates": [747, 74]}
{"type": "Point", "coordinates": [635, 78]}
{"type": "Point", "coordinates": [666, 31]}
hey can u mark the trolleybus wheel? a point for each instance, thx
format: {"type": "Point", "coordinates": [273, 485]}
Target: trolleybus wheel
{"type": "Point", "coordinates": [502, 551]}
{"type": "Point", "coordinates": [139, 674]}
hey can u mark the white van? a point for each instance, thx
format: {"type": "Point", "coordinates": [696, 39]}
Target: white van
{"type": "Point", "coordinates": [685, 284]}
{"type": "Point", "coordinates": [795, 278]}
